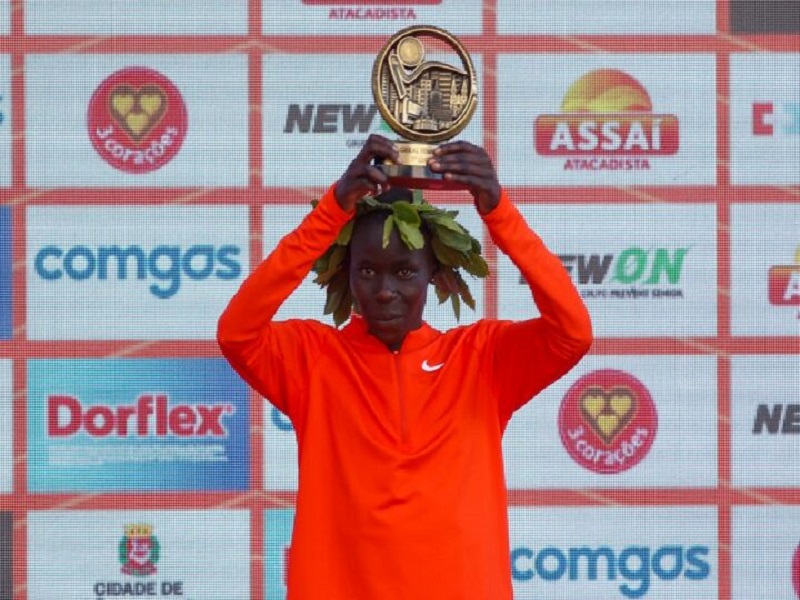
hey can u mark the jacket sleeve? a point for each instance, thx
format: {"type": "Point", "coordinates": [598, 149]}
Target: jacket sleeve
{"type": "Point", "coordinates": [274, 357]}
{"type": "Point", "coordinates": [530, 355]}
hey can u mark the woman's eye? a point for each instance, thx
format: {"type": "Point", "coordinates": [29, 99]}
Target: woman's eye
{"type": "Point", "coordinates": [366, 272]}
{"type": "Point", "coordinates": [405, 273]}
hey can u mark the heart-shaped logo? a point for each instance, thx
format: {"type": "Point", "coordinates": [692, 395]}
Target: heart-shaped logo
{"type": "Point", "coordinates": [138, 111]}
{"type": "Point", "coordinates": [608, 411]}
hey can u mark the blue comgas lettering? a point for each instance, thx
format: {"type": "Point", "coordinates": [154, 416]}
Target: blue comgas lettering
{"type": "Point", "coordinates": [40, 263]}
{"type": "Point", "coordinates": [164, 263]}
{"type": "Point", "coordinates": [517, 573]}
{"type": "Point", "coordinates": [634, 564]}
{"type": "Point", "coordinates": [281, 421]}
{"type": "Point", "coordinates": [639, 572]}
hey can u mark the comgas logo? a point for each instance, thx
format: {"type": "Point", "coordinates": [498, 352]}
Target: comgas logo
{"type": "Point", "coordinates": [137, 120]}
{"type": "Point", "coordinates": [771, 119]}
{"type": "Point", "coordinates": [607, 421]}
{"type": "Point", "coordinates": [636, 565]}
{"type": "Point", "coordinates": [165, 263]}
{"type": "Point", "coordinates": [606, 123]}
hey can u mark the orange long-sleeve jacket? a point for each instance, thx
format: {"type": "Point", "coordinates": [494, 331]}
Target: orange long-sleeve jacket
{"type": "Point", "coordinates": [401, 484]}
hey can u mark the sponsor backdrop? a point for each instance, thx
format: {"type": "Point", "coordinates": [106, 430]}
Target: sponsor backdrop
{"type": "Point", "coordinates": [153, 152]}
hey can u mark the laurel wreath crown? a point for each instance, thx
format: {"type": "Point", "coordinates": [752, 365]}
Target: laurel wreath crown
{"type": "Point", "coordinates": [453, 247]}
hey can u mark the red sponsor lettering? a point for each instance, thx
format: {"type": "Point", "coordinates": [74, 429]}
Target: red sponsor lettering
{"type": "Point", "coordinates": [784, 285]}
{"type": "Point", "coordinates": [760, 112]}
{"type": "Point", "coordinates": [151, 415]}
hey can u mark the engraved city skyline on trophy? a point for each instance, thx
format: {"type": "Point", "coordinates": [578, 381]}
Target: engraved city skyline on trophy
{"type": "Point", "coordinates": [424, 101]}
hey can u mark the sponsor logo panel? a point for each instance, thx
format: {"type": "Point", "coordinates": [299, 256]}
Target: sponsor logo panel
{"type": "Point", "coordinates": [6, 427]}
{"type": "Point", "coordinates": [765, 118]}
{"type": "Point", "coordinates": [629, 119]}
{"type": "Point", "coordinates": [6, 555]}
{"type": "Point", "coordinates": [158, 554]}
{"type": "Point", "coordinates": [6, 315]}
{"type": "Point", "coordinates": [137, 425]}
{"type": "Point", "coordinates": [5, 112]}
{"type": "Point", "coordinates": [764, 16]}
{"type": "Point", "coordinates": [614, 552]}
{"type": "Point", "coordinates": [132, 272]}
{"type": "Point", "coordinates": [369, 17]}
{"type": "Point", "coordinates": [765, 420]}
{"type": "Point", "coordinates": [589, 17]}
{"type": "Point", "coordinates": [621, 422]}
{"type": "Point", "coordinates": [771, 533]}
{"type": "Point", "coordinates": [319, 111]}
{"type": "Point", "coordinates": [145, 17]}
{"type": "Point", "coordinates": [765, 269]}
{"type": "Point", "coordinates": [278, 525]}
{"type": "Point", "coordinates": [641, 269]}
{"type": "Point", "coordinates": [137, 120]}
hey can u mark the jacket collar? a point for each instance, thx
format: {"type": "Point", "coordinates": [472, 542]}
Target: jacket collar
{"type": "Point", "coordinates": [356, 331]}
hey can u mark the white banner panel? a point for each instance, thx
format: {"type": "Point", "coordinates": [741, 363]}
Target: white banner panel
{"type": "Point", "coordinates": [6, 427]}
{"type": "Point", "coordinates": [765, 118]}
{"type": "Point", "coordinates": [599, 119]}
{"type": "Point", "coordinates": [132, 272]}
{"type": "Point", "coordinates": [368, 17]}
{"type": "Point", "coordinates": [318, 112]}
{"type": "Point", "coordinates": [765, 420]}
{"type": "Point", "coordinates": [202, 555]}
{"type": "Point", "coordinates": [596, 17]}
{"type": "Point", "coordinates": [144, 17]}
{"type": "Point", "coordinates": [642, 269]}
{"type": "Point", "coordinates": [123, 120]}
{"type": "Point", "coordinates": [614, 553]}
{"type": "Point", "coordinates": [765, 553]}
{"type": "Point", "coordinates": [665, 434]}
{"type": "Point", "coordinates": [765, 269]}
{"type": "Point", "coordinates": [5, 117]}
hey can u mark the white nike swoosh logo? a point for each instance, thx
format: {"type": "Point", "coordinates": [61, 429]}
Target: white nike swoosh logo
{"type": "Point", "coordinates": [429, 368]}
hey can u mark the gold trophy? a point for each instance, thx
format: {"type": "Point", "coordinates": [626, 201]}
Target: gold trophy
{"type": "Point", "coordinates": [423, 101]}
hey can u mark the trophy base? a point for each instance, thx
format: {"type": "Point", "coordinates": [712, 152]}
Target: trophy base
{"type": "Point", "coordinates": [412, 170]}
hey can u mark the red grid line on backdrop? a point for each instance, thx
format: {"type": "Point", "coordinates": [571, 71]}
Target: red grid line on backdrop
{"type": "Point", "coordinates": [490, 44]}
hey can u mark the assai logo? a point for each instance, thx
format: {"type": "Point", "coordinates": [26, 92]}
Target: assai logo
{"type": "Point", "coordinates": [139, 550]}
{"type": "Point", "coordinates": [606, 123]}
{"type": "Point", "coordinates": [168, 265]}
{"type": "Point", "coordinates": [776, 119]}
{"type": "Point", "coordinates": [152, 415]}
{"type": "Point", "coordinates": [374, 10]}
{"type": "Point", "coordinates": [335, 118]}
{"type": "Point", "coordinates": [137, 120]}
{"type": "Point", "coordinates": [796, 571]}
{"type": "Point", "coordinates": [607, 421]}
{"type": "Point", "coordinates": [635, 566]}
{"type": "Point", "coordinates": [776, 419]}
{"type": "Point", "coordinates": [633, 273]}
{"type": "Point", "coordinates": [784, 284]}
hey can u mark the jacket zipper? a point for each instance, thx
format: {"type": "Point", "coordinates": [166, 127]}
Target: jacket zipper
{"type": "Point", "coordinates": [401, 401]}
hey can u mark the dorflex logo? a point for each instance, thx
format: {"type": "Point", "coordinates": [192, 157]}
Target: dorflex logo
{"type": "Point", "coordinates": [335, 118]}
{"type": "Point", "coordinates": [606, 123]}
{"type": "Point", "coordinates": [607, 421]}
{"type": "Point", "coordinates": [167, 264]}
{"type": "Point", "coordinates": [137, 424]}
{"type": "Point", "coordinates": [152, 415]}
{"type": "Point", "coordinates": [635, 273]}
{"type": "Point", "coordinates": [137, 120]}
{"type": "Point", "coordinates": [784, 284]}
{"type": "Point", "coordinates": [634, 566]}
{"type": "Point", "coordinates": [373, 10]}
{"type": "Point", "coordinates": [771, 119]}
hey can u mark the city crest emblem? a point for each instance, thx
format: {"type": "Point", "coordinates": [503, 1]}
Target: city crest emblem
{"type": "Point", "coordinates": [139, 550]}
